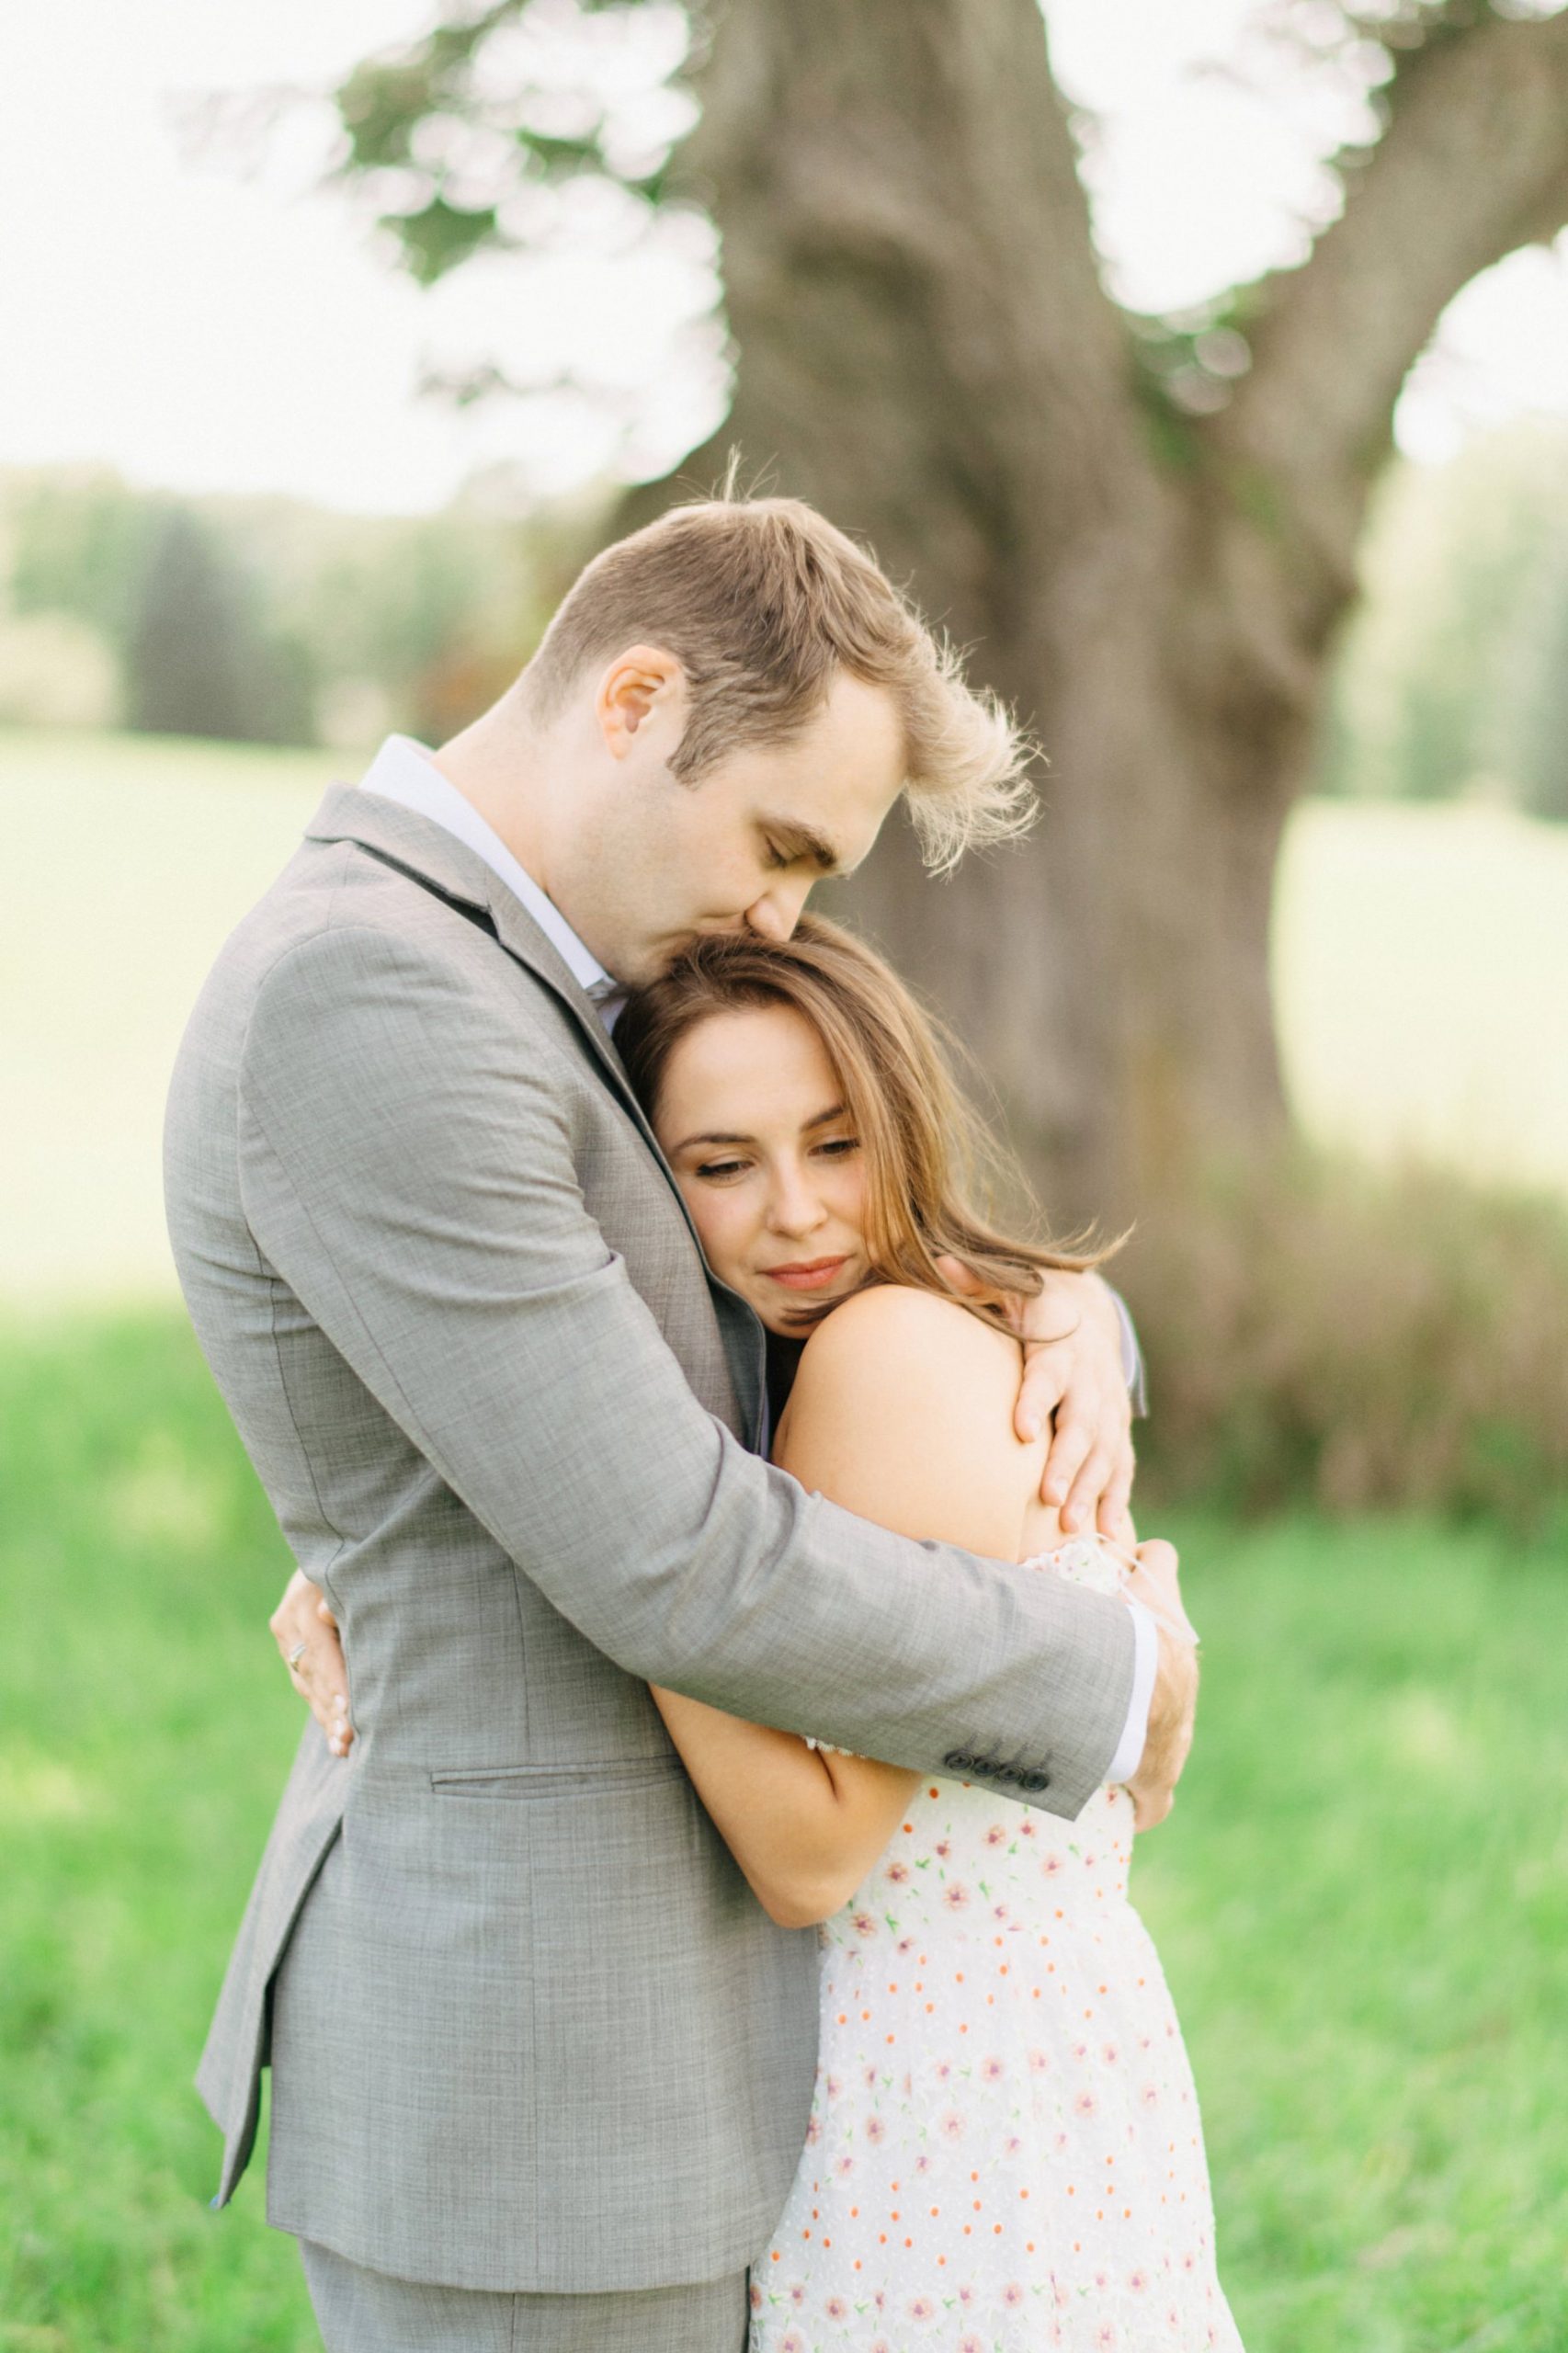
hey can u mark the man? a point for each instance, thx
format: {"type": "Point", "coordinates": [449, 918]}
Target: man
{"type": "Point", "coordinates": [541, 2065]}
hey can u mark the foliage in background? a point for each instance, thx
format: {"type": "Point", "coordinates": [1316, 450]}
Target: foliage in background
{"type": "Point", "coordinates": [1376, 2055]}
{"type": "Point", "coordinates": [1453, 677]}
{"type": "Point", "coordinates": [1320, 1334]}
{"type": "Point", "coordinates": [264, 620]}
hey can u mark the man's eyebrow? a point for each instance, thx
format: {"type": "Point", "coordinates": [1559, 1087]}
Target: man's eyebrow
{"type": "Point", "coordinates": [792, 840]}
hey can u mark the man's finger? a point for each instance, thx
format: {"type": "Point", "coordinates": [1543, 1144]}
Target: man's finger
{"type": "Point", "coordinates": [1116, 1500]}
{"type": "Point", "coordinates": [1040, 1393]}
{"type": "Point", "coordinates": [1088, 1486]}
{"type": "Point", "coordinates": [1069, 1449]}
{"type": "Point", "coordinates": [958, 1276]}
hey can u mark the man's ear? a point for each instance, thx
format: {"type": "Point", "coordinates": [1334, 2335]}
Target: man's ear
{"type": "Point", "coordinates": [644, 687]}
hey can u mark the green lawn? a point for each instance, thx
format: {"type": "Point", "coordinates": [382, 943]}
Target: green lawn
{"type": "Point", "coordinates": [1362, 1897]}
{"type": "Point", "coordinates": [1421, 960]}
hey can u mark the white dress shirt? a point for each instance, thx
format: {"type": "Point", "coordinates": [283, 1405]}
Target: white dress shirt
{"type": "Point", "coordinates": [404, 771]}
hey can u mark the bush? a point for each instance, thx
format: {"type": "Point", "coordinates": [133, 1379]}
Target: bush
{"type": "Point", "coordinates": [1321, 1332]}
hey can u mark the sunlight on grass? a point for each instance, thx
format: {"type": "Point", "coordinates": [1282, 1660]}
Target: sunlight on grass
{"type": "Point", "coordinates": [1421, 973]}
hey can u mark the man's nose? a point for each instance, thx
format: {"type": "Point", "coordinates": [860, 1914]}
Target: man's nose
{"type": "Point", "coordinates": [775, 914]}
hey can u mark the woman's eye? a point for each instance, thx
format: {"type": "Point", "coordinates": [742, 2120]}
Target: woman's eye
{"type": "Point", "coordinates": [839, 1145]}
{"type": "Point", "coordinates": [715, 1171]}
{"type": "Point", "coordinates": [776, 857]}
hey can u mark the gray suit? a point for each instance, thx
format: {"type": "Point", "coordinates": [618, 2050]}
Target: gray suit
{"type": "Point", "coordinates": [529, 2028]}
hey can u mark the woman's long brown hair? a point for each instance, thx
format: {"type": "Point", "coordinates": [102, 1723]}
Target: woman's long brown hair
{"type": "Point", "coordinates": [925, 1151]}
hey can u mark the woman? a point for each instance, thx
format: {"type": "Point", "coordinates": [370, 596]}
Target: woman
{"type": "Point", "coordinates": [1005, 2150]}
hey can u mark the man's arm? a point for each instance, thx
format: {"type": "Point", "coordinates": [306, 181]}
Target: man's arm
{"type": "Point", "coordinates": [407, 1165]}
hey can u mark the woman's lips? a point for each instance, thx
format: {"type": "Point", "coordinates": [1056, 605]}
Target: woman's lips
{"type": "Point", "coordinates": [815, 1274]}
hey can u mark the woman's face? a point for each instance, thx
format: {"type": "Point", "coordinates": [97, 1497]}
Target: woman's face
{"type": "Point", "coordinates": [751, 1119]}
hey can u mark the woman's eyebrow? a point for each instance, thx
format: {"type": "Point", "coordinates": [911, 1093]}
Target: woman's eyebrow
{"type": "Point", "coordinates": [710, 1135]}
{"type": "Point", "coordinates": [717, 1135]}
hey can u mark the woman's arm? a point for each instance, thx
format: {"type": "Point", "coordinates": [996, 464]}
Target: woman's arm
{"type": "Point", "coordinates": [901, 1411]}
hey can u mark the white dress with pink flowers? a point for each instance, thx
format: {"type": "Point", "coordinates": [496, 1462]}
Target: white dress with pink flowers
{"type": "Point", "coordinates": [1005, 2152]}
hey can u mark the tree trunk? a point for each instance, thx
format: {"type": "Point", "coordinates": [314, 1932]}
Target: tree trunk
{"type": "Point", "coordinates": [928, 356]}
{"type": "Point", "coordinates": [927, 353]}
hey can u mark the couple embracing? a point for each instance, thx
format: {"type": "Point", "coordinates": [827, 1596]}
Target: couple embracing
{"type": "Point", "coordinates": [713, 1929]}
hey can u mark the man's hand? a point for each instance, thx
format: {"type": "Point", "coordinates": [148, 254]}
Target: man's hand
{"type": "Point", "coordinates": [1074, 1384]}
{"type": "Point", "coordinates": [1154, 1584]}
{"type": "Point", "coordinates": [306, 1633]}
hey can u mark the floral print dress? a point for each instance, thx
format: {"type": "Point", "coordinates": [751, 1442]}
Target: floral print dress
{"type": "Point", "coordinates": [1004, 2151]}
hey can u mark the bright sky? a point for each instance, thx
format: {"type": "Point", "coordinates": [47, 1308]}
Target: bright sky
{"type": "Point", "coordinates": [205, 331]}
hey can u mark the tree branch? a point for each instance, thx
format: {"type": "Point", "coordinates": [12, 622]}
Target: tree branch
{"type": "Point", "coordinates": [1474, 163]}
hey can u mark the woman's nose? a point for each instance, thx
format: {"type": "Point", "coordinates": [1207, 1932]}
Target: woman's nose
{"type": "Point", "coordinates": [795, 1207]}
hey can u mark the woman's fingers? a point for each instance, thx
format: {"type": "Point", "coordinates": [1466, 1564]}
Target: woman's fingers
{"type": "Point", "coordinates": [306, 1633]}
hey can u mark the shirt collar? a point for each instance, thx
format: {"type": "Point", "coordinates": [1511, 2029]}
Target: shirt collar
{"type": "Point", "coordinates": [405, 772]}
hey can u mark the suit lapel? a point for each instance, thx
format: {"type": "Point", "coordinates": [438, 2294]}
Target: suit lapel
{"type": "Point", "coordinates": [435, 860]}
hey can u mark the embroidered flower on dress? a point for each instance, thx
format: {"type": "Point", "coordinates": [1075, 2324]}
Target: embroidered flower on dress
{"type": "Point", "coordinates": [955, 1897]}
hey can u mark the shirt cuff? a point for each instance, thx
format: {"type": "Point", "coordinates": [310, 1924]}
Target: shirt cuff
{"type": "Point", "coordinates": [1131, 1356]}
{"type": "Point", "coordinates": [1136, 1730]}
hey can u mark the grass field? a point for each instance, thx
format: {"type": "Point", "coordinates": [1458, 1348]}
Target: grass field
{"type": "Point", "coordinates": [1421, 955]}
{"type": "Point", "coordinates": [1362, 1897]}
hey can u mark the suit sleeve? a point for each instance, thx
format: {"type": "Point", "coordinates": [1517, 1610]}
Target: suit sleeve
{"type": "Point", "coordinates": [408, 1168]}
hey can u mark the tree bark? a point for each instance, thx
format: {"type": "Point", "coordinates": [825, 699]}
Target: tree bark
{"type": "Point", "coordinates": [926, 351]}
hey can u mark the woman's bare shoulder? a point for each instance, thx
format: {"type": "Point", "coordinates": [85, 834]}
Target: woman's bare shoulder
{"type": "Point", "coordinates": [902, 1409]}
{"type": "Point", "coordinates": [927, 1333]}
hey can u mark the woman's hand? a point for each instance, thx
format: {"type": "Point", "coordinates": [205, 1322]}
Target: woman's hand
{"type": "Point", "coordinates": [1075, 1385]}
{"type": "Point", "coordinates": [1155, 1584]}
{"type": "Point", "coordinates": [306, 1634]}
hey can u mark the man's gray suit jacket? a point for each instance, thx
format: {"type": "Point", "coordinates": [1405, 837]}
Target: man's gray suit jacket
{"type": "Point", "coordinates": [529, 2028]}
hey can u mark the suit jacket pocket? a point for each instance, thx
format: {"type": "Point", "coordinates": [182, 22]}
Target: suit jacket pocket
{"type": "Point", "coordinates": [554, 1781]}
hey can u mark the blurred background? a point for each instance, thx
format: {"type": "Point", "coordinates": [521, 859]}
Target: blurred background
{"type": "Point", "coordinates": [1205, 372]}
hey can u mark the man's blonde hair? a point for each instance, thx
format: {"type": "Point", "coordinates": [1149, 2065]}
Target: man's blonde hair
{"type": "Point", "coordinates": [764, 602]}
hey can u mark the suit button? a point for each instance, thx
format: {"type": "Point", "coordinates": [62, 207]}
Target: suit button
{"type": "Point", "coordinates": [959, 1760]}
{"type": "Point", "coordinates": [1034, 1780]}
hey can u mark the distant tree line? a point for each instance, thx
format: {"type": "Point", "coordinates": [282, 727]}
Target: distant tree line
{"type": "Point", "coordinates": [262, 620]}
{"type": "Point", "coordinates": [1453, 676]}
{"type": "Point", "coordinates": [268, 620]}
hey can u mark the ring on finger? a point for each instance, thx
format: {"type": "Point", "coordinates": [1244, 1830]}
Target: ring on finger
{"type": "Point", "coordinates": [295, 1655]}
